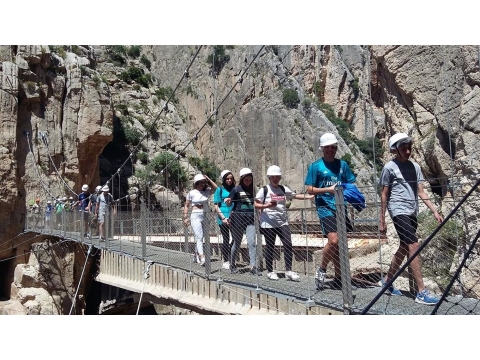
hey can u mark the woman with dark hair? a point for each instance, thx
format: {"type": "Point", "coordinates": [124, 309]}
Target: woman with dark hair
{"type": "Point", "coordinates": [198, 199]}
{"type": "Point", "coordinates": [242, 220]}
{"type": "Point", "coordinates": [223, 211]}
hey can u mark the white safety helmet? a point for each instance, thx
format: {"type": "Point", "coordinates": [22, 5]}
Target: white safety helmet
{"type": "Point", "coordinates": [70, 198]}
{"type": "Point", "coordinates": [198, 177]}
{"type": "Point", "coordinates": [49, 202]}
{"type": "Point", "coordinates": [274, 170]}
{"type": "Point", "coordinates": [64, 198]}
{"type": "Point", "coordinates": [395, 140]}
{"type": "Point", "coordinates": [245, 171]}
{"type": "Point", "coordinates": [105, 188]}
{"type": "Point", "coordinates": [223, 173]}
{"type": "Point", "coordinates": [85, 187]}
{"type": "Point", "coordinates": [327, 139]}
{"type": "Point", "coordinates": [98, 188]}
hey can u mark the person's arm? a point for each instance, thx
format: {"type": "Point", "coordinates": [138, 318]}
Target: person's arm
{"type": "Point", "coordinates": [114, 205]}
{"type": "Point", "coordinates": [212, 183]}
{"type": "Point", "coordinates": [303, 196]}
{"type": "Point", "coordinates": [423, 195]}
{"type": "Point", "coordinates": [258, 204]}
{"type": "Point", "coordinates": [185, 212]}
{"type": "Point", "coordinates": [319, 191]}
{"type": "Point", "coordinates": [383, 207]}
{"type": "Point", "coordinates": [96, 206]}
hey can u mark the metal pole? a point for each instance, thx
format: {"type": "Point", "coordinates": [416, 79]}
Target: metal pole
{"type": "Point", "coordinates": [343, 251]}
{"type": "Point", "coordinates": [143, 229]}
{"type": "Point", "coordinates": [206, 234]}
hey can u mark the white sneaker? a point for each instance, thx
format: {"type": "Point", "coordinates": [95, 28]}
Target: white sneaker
{"type": "Point", "coordinates": [272, 276]}
{"type": "Point", "coordinates": [202, 260]}
{"type": "Point", "coordinates": [226, 265]}
{"type": "Point", "coordinates": [292, 275]}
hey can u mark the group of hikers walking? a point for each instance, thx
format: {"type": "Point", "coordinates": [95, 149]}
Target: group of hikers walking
{"type": "Point", "coordinates": [92, 208]}
{"type": "Point", "coordinates": [401, 186]}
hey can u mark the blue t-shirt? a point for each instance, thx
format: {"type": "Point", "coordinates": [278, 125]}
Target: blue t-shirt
{"type": "Point", "coordinates": [322, 174]}
{"type": "Point", "coordinates": [84, 198]}
{"type": "Point", "coordinates": [218, 198]}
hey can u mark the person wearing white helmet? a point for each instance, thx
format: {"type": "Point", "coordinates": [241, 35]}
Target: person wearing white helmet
{"type": "Point", "coordinates": [92, 204]}
{"type": "Point", "coordinates": [197, 198]}
{"type": "Point", "coordinates": [401, 180]}
{"type": "Point", "coordinates": [105, 202]}
{"type": "Point", "coordinates": [223, 211]}
{"type": "Point", "coordinates": [271, 200]}
{"type": "Point", "coordinates": [83, 206]}
{"type": "Point", "coordinates": [322, 177]}
{"type": "Point", "coordinates": [48, 214]}
{"type": "Point", "coordinates": [242, 220]}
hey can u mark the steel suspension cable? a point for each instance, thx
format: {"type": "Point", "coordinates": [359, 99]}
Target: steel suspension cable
{"type": "Point", "coordinates": [80, 280]}
{"type": "Point", "coordinates": [239, 81]}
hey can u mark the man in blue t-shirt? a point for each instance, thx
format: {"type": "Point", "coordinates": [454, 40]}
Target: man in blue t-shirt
{"type": "Point", "coordinates": [322, 177]}
{"type": "Point", "coordinates": [83, 201]}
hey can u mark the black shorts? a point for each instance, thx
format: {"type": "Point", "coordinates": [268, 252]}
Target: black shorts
{"type": "Point", "coordinates": [406, 226]}
{"type": "Point", "coordinates": [329, 224]}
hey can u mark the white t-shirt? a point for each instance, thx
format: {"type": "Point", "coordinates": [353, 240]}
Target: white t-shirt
{"type": "Point", "coordinates": [197, 197]}
{"type": "Point", "coordinates": [275, 216]}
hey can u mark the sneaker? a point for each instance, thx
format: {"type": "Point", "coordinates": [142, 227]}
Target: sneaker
{"type": "Point", "coordinates": [202, 261]}
{"type": "Point", "coordinates": [89, 236]}
{"type": "Point", "coordinates": [102, 238]}
{"type": "Point", "coordinates": [425, 298]}
{"type": "Point", "coordinates": [319, 278]}
{"type": "Point", "coordinates": [196, 259]}
{"type": "Point", "coordinates": [85, 235]}
{"type": "Point", "coordinates": [391, 289]}
{"type": "Point", "coordinates": [272, 276]}
{"type": "Point", "coordinates": [292, 275]}
{"type": "Point", "coordinates": [255, 271]}
{"type": "Point", "coordinates": [226, 265]}
{"type": "Point", "coordinates": [233, 270]}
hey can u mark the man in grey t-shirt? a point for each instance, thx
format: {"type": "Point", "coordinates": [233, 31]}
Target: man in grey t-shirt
{"type": "Point", "coordinates": [104, 202]}
{"type": "Point", "coordinates": [401, 182]}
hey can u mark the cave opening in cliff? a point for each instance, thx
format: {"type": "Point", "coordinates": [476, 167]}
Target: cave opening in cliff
{"type": "Point", "coordinates": [5, 280]}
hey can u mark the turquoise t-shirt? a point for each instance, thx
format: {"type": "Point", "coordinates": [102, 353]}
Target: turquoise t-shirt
{"type": "Point", "coordinates": [322, 174]}
{"type": "Point", "coordinates": [218, 198]}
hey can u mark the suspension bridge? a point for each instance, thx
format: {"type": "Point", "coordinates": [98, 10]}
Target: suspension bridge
{"type": "Point", "coordinates": [150, 252]}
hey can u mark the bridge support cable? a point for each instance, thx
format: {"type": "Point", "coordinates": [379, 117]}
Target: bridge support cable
{"type": "Point", "coordinates": [146, 275]}
{"type": "Point", "coordinates": [420, 248]}
{"type": "Point", "coordinates": [215, 112]}
{"type": "Point", "coordinates": [74, 301]}
{"type": "Point", "coordinates": [45, 142]}
{"type": "Point", "coordinates": [457, 273]}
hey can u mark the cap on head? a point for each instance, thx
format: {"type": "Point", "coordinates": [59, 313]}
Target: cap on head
{"type": "Point", "coordinates": [198, 177]}
{"type": "Point", "coordinates": [398, 139]}
{"type": "Point", "coordinates": [105, 188]}
{"type": "Point", "coordinates": [244, 172]}
{"type": "Point", "coordinates": [223, 173]}
{"type": "Point", "coordinates": [98, 188]}
{"type": "Point", "coordinates": [274, 170]}
{"type": "Point", "coordinates": [70, 198]}
{"type": "Point", "coordinates": [85, 187]}
{"type": "Point", "coordinates": [327, 139]}
{"type": "Point", "coordinates": [49, 202]}
{"type": "Point", "coordinates": [64, 198]}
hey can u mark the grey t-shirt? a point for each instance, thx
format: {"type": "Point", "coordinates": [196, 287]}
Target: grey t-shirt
{"type": "Point", "coordinates": [402, 178]}
{"type": "Point", "coordinates": [275, 216]}
{"type": "Point", "coordinates": [103, 201]}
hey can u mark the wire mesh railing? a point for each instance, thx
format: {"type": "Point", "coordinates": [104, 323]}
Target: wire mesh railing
{"type": "Point", "coordinates": [295, 252]}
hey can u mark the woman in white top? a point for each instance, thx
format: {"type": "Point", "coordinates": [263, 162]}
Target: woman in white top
{"type": "Point", "coordinates": [198, 199]}
{"type": "Point", "coordinates": [274, 220]}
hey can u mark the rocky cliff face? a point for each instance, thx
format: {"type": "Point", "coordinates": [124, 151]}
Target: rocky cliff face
{"type": "Point", "coordinates": [82, 110]}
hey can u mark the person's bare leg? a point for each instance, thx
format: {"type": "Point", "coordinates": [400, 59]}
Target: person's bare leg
{"type": "Point", "coordinates": [330, 253]}
{"type": "Point", "coordinates": [397, 260]}
{"type": "Point", "coordinates": [416, 267]}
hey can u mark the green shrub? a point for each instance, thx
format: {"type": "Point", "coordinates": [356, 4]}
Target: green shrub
{"type": "Point", "coordinates": [173, 175]}
{"type": "Point", "coordinates": [218, 59]}
{"type": "Point", "coordinates": [118, 54]}
{"type": "Point", "coordinates": [348, 159]}
{"type": "Point", "coordinates": [290, 98]}
{"type": "Point", "coordinates": [370, 147]}
{"type": "Point", "coordinates": [318, 89]}
{"type": "Point", "coordinates": [132, 135]}
{"type": "Point", "coordinates": [205, 166]}
{"type": "Point", "coordinates": [165, 93]}
{"type": "Point", "coordinates": [143, 157]}
{"type": "Point", "coordinates": [144, 60]}
{"type": "Point", "coordinates": [342, 126]}
{"type": "Point", "coordinates": [136, 74]}
{"type": "Point", "coordinates": [134, 51]}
